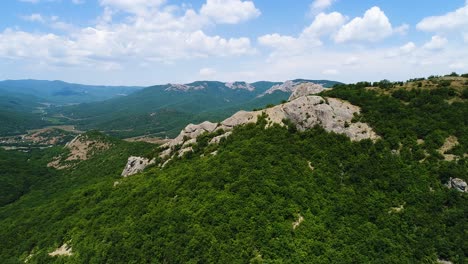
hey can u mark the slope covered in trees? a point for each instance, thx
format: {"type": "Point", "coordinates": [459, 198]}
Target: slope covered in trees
{"type": "Point", "coordinates": [268, 195]}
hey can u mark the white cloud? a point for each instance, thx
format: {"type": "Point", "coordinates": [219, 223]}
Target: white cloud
{"type": "Point", "coordinates": [133, 6]}
{"type": "Point", "coordinates": [207, 72]}
{"type": "Point", "coordinates": [229, 11]}
{"type": "Point", "coordinates": [407, 48]}
{"type": "Point", "coordinates": [323, 24]}
{"type": "Point", "coordinates": [351, 61]}
{"type": "Point", "coordinates": [458, 66]}
{"type": "Point", "coordinates": [436, 43]}
{"type": "Point", "coordinates": [78, 2]}
{"type": "Point", "coordinates": [30, 1]}
{"type": "Point", "coordinates": [372, 27]}
{"type": "Point", "coordinates": [402, 30]}
{"type": "Point", "coordinates": [320, 5]}
{"type": "Point", "coordinates": [53, 21]}
{"type": "Point", "coordinates": [34, 18]}
{"type": "Point", "coordinates": [455, 20]}
{"type": "Point", "coordinates": [152, 32]}
{"type": "Point", "coordinates": [278, 41]}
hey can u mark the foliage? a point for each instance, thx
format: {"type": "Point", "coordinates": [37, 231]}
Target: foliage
{"type": "Point", "coordinates": [362, 202]}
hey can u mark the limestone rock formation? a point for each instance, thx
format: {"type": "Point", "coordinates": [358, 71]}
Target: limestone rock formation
{"type": "Point", "coordinates": [64, 250]}
{"type": "Point", "coordinates": [305, 89]}
{"type": "Point", "coordinates": [334, 115]}
{"type": "Point", "coordinates": [240, 86]}
{"type": "Point", "coordinates": [457, 184]}
{"type": "Point", "coordinates": [81, 148]}
{"type": "Point", "coordinates": [192, 131]}
{"type": "Point", "coordinates": [135, 165]}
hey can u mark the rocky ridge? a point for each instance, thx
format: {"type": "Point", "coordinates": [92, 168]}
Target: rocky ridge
{"type": "Point", "coordinates": [82, 147]}
{"type": "Point", "coordinates": [136, 165]}
{"type": "Point", "coordinates": [304, 110]}
{"type": "Point", "coordinates": [292, 87]}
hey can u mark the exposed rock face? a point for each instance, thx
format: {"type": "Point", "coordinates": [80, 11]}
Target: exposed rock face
{"type": "Point", "coordinates": [292, 86]}
{"type": "Point", "coordinates": [135, 165]}
{"type": "Point", "coordinates": [192, 131]}
{"type": "Point", "coordinates": [217, 139]}
{"type": "Point", "coordinates": [298, 222]}
{"type": "Point", "coordinates": [64, 250]}
{"type": "Point", "coordinates": [305, 89]}
{"type": "Point", "coordinates": [305, 112]}
{"type": "Point", "coordinates": [287, 87]}
{"type": "Point", "coordinates": [183, 87]}
{"type": "Point", "coordinates": [457, 184]}
{"type": "Point", "coordinates": [240, 85]}
{"type": "Point", "coordinates": [81, 148]}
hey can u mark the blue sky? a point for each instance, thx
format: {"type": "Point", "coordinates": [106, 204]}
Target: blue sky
{"type": "Point", "coordinates": [146, 42]}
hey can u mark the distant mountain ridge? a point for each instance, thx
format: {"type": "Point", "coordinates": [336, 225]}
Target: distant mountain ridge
{"type": "Point", "coordinates": [60, 92]}
{"type": "Point", "coordinates": [165, 109]}
{"type": "Point", "coordinates": [286, 86]}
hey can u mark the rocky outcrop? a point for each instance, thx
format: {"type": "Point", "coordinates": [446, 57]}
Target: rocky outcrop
{"type": "Point", "coordinates": [305, 112]}
{"type": "Point", "coordinates": [191, 132]}
{"type": "Point", "coordinates": [80, 148]}
{"type": "Point", "coordinates": [64, 250]}
{"type": "Point", "coordinates": [298, 222]}
{"type": "Point", "coordinates": [292, 86]}
{"type": "Point", "coordinates": [305, 89]}
{"type": "Point", "coordinates": [183, 87]}
{"type": "Point", "coordinates": [240, 86]}
{"type": "Point", "coordinates": [457, 184]}
{"type": "Point", "coordinates": [136, 165]}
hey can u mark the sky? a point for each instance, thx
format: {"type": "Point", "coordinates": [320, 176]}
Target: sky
{"type": "Point", "coordinates": [147, 42]}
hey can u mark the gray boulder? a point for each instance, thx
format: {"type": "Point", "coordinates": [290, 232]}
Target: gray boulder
{"type": "Point", "coordinates": [135, 165]}
{"type": "Point", "coordinates": [457, 184]}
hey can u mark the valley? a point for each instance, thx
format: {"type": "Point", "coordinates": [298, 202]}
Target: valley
{"type": "Point", "coordinates": [365, 172]}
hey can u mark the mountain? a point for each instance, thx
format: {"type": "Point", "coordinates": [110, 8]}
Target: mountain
{"type": "Point", "coordinates": [19, 112]}
{"type": "Point", "coordinates": [165, 109]}
{"type": "Point", "coordinates": [59, 92]}
{"type": "Point", "coordinates": [298, 183]}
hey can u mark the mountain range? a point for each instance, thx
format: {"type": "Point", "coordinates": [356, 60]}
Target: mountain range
{"type": "Point", "coordinates": [160, 110]}
{"type": "Point", "coordinates": [360, 173]}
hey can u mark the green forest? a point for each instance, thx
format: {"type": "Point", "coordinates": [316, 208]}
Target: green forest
{"type": "Point", "coordinates": [270, 195]}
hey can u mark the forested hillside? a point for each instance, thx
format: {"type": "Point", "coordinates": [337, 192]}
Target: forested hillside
{"type": "Point", "coordinates": [267, 194]}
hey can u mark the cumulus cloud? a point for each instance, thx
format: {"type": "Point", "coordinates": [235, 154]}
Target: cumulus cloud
{"type": "Point", "coordinates": [323, 24]}
{"type": "Point", "coordinates": [34, 18]}
{"type": "Point", "coordinates": [133, 6]}
{"type": "Point", "coordinates": [319, 5]}
{"type": "Point", "coordinates": [407, 48]}
{"type": "Point", "coordinates": [229, 11]}
{"type": "Point", "coordinates": [436, 43]}
{"type": "Point", "coordinates": [373, 26]}
{"type": "Point", "coordinates": [151, 32]}
{"type": "Point", "coordinates": [455, 20]}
